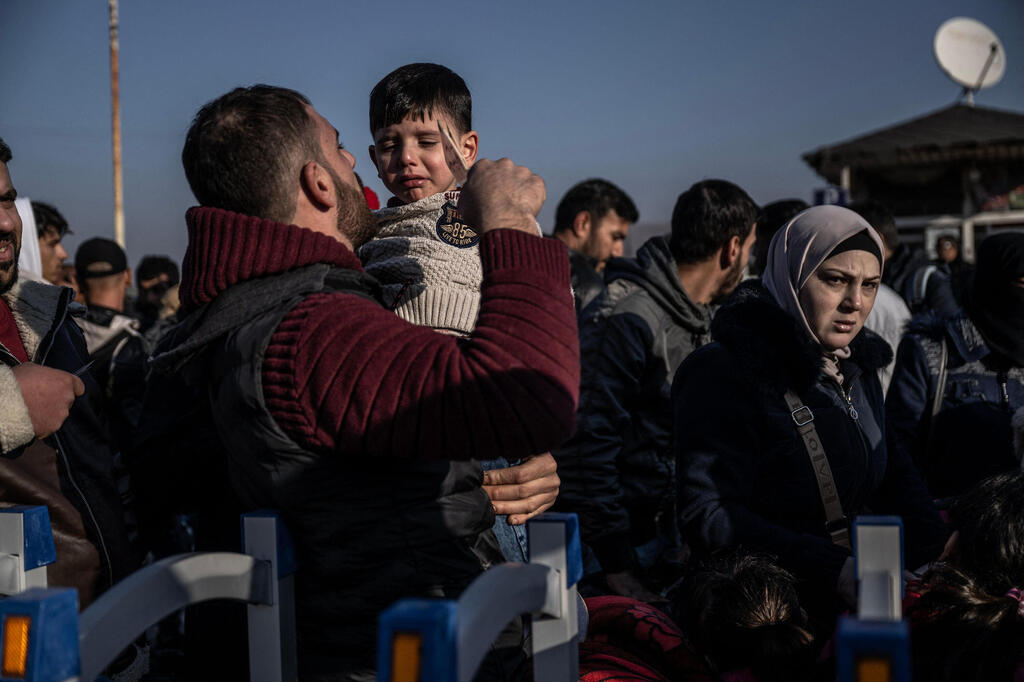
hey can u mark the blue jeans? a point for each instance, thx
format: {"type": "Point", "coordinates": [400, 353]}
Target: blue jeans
{"type": "Point", "coordinates": [511, 539]}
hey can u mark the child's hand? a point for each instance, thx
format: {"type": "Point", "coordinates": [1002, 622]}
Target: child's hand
{"type": "Point", "coordinates": [500, 194]}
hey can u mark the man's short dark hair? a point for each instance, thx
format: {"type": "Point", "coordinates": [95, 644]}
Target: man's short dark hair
{"type": "Point", "coordinates": [596, 197]}
{"type": "Point", "coordinates": [880, 218]}
{"type": "Point", "coordinates": [706, 217]}
{"type": "Point", "coordinates": [245, 149]}
{"type": "Point", "coordinates": [771, 219]}
{"type": "Point", "coordinates": [153, 266]}
{"type": "Point", "coordinates": [5, 152]}
{"type": "Point", "coordinates": [417, 90]}
{"type": "Point", "coordinates": [49, 218]}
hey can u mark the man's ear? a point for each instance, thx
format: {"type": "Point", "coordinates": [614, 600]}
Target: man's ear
{"type": "Point", "coordinates": [373, 157]}
{"type": "Point", "coordinates": [128, 277]}
{"type": "Point", "coordinates": [317, 185]}
{"type": "Point", "coordinates": [730, 252]}
{"type": "Point", "coordinates": [581, 224]}
{"type": "Point", "coordinates": [470, 146]}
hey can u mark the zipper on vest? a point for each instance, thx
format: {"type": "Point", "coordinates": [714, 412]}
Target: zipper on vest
{"type": "Point", "coordinates": [54, 330]}
{"type": "Point", "coordinates": [1005, 398]}
{"type": "Point", "coordinates": [85, 503]}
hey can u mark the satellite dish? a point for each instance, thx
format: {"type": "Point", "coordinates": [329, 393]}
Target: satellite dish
{"type": "Point", "coordinates": [970, 54]}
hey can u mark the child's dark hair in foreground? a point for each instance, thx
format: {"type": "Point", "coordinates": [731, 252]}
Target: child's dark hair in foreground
{"type": "Point", "coordinates": [968, 622]}
{"type": "Point", "coordinates": [741, 611]}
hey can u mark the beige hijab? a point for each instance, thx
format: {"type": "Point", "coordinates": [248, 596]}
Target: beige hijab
{"type": "Point", "coordinates": [797, 250]}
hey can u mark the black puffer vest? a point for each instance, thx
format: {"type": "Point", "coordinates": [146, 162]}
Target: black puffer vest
{"type": "Point", "coordinates": [368, 531]}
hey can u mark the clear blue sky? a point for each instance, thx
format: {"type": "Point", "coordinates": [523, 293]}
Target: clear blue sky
{"type": "Point", "coordinates": [651, 95]}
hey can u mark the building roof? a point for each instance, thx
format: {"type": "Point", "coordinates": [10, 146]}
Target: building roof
{"type": "Point", "coordinates": [955, 133]}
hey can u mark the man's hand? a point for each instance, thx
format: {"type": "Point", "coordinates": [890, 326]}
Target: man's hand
{"type": "Point", "coordinates": [501, 194]}
{"type": "Point", "coordinates": [628, 585]}
{"type": "Point", "coordinates": [525, 490]}
{"type": "Point", "coordinates": [48, 394]}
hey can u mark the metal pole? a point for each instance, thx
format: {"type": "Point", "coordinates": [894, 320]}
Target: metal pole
{"type": "Point", "coordinates": [115, 110]}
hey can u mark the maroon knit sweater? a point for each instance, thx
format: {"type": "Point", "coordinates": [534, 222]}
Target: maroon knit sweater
{"type": "Point", "coordinates": [344, 374]}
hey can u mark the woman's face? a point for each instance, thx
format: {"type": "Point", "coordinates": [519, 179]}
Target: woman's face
{"type": "Point", "coordinates": [838, 297]}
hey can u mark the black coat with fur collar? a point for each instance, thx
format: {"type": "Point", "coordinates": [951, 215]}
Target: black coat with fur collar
{"type": "Point", "coordinates": [744, 474]}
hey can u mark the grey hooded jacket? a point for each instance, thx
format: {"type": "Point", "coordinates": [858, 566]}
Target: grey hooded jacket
{"type": "Point", "coordinates": [617, 471]}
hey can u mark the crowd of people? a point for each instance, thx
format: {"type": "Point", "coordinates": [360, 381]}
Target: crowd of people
{"type": "Point", "coordinates": [409, 385]}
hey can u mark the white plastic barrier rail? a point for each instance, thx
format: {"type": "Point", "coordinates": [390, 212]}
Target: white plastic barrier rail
{"type": "Point", "coordinates": [44, 639]}
{"type": "Point", "coordinates": [875, 645]}
{"type": "Point", "coordinates": [26, 548]}
{"type": "Point", "coordinates": [445, 640]}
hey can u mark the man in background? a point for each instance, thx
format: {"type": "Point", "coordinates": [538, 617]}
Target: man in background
{"type": "Point", "coordinates": [618, 470]}
{"type": "Point", "coordinates": [54, 450]}
{"type": "Point", "coordinates": [51, 228]}
{"type": "Point", "coordinates": [593, 220]}
{"type": "Point", "coordinates": [157, 279]}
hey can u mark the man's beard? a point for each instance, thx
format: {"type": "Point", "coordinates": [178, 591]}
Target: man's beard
{"type": "Point", "coordinates": [9, 270]}
{"type": "Point", "coordinates": [732, 278]}
{"type": "Point", "coordinates": [354, 218]}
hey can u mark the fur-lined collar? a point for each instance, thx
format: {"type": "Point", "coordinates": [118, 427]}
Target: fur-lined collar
{"type": "Point", "coordinates": [772, 348]}
{"type": "Point", "coordinates": [37, 307]}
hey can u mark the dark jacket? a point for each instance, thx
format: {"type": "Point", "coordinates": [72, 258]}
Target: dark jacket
{"type": "Point", "coordinates": [971, 437]}
{"type": "Point", "coordinates": [617, 471]}
{"type": "Point", "coordinates": [361, 550]}
{"type": "Point", "coordinates": [72, 471]}
{"type": "Point", "coordinates": [586, 282]}
{"type": "Point", "coordinates": [745, 477]}
{"type": "Point", "coordinates": [118, 353]}
{"type": "Point", "coordinates": [319, 402]}
{"type": "Point", "coordinates": [900, 269]}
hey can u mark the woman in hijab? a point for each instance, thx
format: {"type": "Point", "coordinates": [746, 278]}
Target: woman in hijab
{"type": "Point", "coordinates": [791, 376]}
{"type": "Point", "coordinates": [958, 428]}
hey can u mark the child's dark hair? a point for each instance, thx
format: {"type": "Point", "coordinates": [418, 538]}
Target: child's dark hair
{"type": "Point", "coordinates": [967, 624]}
{"type": "Point", "coordinates": [417, 90]}
{"type": "Point", "coordinates": [742, 611]}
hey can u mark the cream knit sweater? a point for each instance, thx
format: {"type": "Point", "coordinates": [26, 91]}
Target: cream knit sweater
{"type": "Point", "coordinates": [428, 263]}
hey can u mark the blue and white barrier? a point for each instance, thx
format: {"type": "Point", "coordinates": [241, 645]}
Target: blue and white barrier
{"type": "Point", "coordinates": [875, 646]}
{"type": "Point", "coordinates": [48, 641]}
{"type": "Point", "coordinates": [26, 548]}
{"type": "Point", "coordinates": [446, 640]}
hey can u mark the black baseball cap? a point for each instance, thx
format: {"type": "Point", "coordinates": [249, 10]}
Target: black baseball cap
{"type": "Point", "coordinates": [99, 257]}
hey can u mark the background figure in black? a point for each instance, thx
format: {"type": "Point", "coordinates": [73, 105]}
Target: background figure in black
{"type": "Point", "coordinates": [923, 286]}
{"type": "Point", "coordinates": [951, 263]}
{"type": "Point", "coordinates": [961, 433]}
{"type": "Point", "coordinates": [157, 279]}
{"type": "Point", "coordinates": [772, 217]}
{"type": "Point", "coordinates": [593, 220]}
{"type": "Point", "coordinates": [967, 613]}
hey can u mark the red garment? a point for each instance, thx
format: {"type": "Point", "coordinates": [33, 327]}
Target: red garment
{"type": "Point", "coordinates": [628, 640]}
{"type": "Point", "coordinates": [341, 373]}
{"type": "Point", "coordinates": [371, 199]}
{"type": "Point", "coordinates": [9, 336]}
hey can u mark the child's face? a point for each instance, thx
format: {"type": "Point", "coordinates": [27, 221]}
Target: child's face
{"type": "Point", "coordinates": [410, 158]}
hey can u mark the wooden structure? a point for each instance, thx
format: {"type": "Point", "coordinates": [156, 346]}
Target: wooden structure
{"type": "Point", "coordinates": [936, 171]}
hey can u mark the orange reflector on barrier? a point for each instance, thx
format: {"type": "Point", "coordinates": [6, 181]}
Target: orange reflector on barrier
{"type": "Point", "coordinates": [15, 654]}
{"type": "Point", "coordinates": [872, 669]}
{"type": "Point", "coordinates": [405, 657]}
